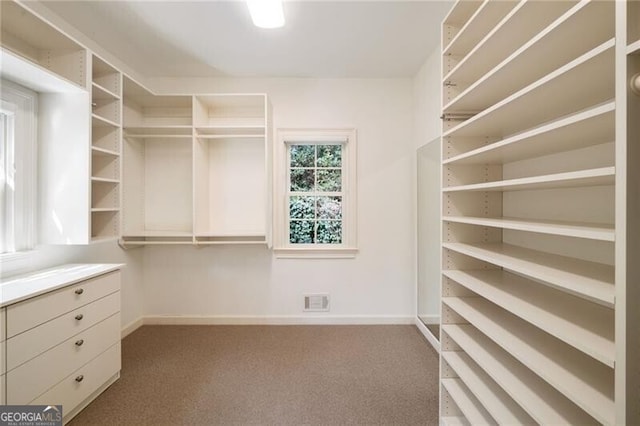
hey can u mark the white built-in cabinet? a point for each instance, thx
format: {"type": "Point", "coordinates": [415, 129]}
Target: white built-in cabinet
{"type": "Point", "coordinates": [540, 221]}
{"type": "Point", "coordinates": [79, 125]}
{"type": "Point", "coordinates": [117, 161]}
{"type": "Point", "coordinates": [195, 168]}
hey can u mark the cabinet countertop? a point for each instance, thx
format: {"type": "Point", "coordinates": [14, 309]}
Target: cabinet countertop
{"type": "Point", "coordinates": [21, 287]}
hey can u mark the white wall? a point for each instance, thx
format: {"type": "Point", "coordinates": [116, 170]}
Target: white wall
{"type": "Point", "coordinates": [247, 284]}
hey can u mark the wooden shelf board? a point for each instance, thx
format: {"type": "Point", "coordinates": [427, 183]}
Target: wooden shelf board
{"type": "Point", "coordinates": [586, 326]}
{"type": "Point", "coordinates": [494, 399]}
{"type": "Point", "coordinates": [230, 136]}
{"type": "Point", "coordinates": [586, 128]}
{"type": "Point", "coordinates": [101, 239]}
{"type": "Point", "coordinates": [539, 399]}
{"type": "Point", "coordinates": [478, 25]}
{"type": "Point", "coordinates": [523, 22]}
{"type": "Point", "coordinates": [102, 151]}
{"type": "Point", "coordinates": [589, 280]}
{"type": "Point", "coordinates": [562, 367]}
{"type": "Point", "coordinates": [104, 180]}
{"type": "Point", "coordinates": [158, 234]}
{"type": "Point", "coordinates": [521, 110]}
{"type": "Point", "coordinates": [99, 121]}
{"type": "Point", "coordinates": [105, 210]}
{"type": "Point", "coordinates": [100, 92]}
{"type": "Point", "coordinates": [592, 231]}
{"type": "Point", "coordinates": [32, 75]}
{"type": "Point", "coordinates": [548, 50]}
{"type": "Point", "coordinates": [461, 11]}
{"type": "Point", "coordinates": [593, 177]}
{"type": "Point", "coordinates": [474, 412]}
{"type": "Point", "coordinates": [633, 48]}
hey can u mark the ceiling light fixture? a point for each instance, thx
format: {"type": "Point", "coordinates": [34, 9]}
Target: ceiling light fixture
{"type": "Point", "coordinates": [266, 13]}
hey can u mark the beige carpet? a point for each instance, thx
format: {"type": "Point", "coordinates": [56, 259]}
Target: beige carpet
{"type": "Point", "coordinates": [271, 375]}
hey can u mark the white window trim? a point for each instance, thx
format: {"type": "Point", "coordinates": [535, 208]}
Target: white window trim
{"type": "Point", "coordinates": [26, 102]}
{"type": "Point", "coordinates": [282, 247]}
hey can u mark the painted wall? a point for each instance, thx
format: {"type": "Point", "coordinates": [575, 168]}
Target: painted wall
{"type": "Point", "coordinates": [247, 283]}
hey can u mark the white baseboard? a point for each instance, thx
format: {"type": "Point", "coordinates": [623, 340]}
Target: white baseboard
{"type": "Point", "coordinates": [276, 320]}
{"type": "Point", "coordinates": [428, 335]}
{"type": "Point", "coordinates": [132, 326]}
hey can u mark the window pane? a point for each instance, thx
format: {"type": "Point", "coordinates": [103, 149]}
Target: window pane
{"type": "Point", "coordinates": [302, 207]}
{"type": "Point", "coordinates": [302, 180]}
{"type": "Point", "coordinates": [301, 231]}
{"type": "Point", "coordinates": [329, 180]}
{"type": "Point", "coordinates": [303, 155]}
{"type": "Point", "coordinates": [329, 207]}
{"type": "Point", "coordinates": [329, 232]}
{"type": "Point", "coordinates": [329, 156]}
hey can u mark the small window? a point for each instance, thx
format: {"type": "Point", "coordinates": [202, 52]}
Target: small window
{"type": "Point", "coordinates": [17, 168]}
{"type": "Point", "coordinates": [318, 188]}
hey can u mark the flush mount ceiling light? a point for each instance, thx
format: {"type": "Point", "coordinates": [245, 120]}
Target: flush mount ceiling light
{"type": "Point", "coordinates": [266, 13]}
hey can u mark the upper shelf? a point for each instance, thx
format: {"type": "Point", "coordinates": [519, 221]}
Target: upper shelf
{"type": "Point", "coordinates": [230, 113]}
{"type": "Point", "coordinates": [589, 280]}
{"type": "Point", "coordinates": [587, 128]}
{"type": "Point", "coordinates": [553, 47]}
{"type": "Point", "coordinates": [584, 82]}
{"type": "Point", "coordinates": [460, 13]}
{"type": "Point", "coordinates": [33, 39]}
{"type": "Point", "coordinates": [540, 400]}
{"type": "Point", "coordinates": [478, 25]}
{"type": "Point", "coordinates": [522, 23]}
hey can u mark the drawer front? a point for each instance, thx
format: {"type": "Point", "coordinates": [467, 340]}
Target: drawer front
{"type": "Point", "coordinates": [33, 312]}
{"type": "Point", "coordinates": [32, 378]}
{"type": "Point", "coordinates": [3, 387]}
{"type": "Point", "coordinates": [28, 345]}
{"type": "Point", "coordinates": [3, 365]}
{"type": "Point", "coordinates": [71, 392]}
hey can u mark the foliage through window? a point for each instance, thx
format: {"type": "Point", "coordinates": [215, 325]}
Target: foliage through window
{"type": "Point", "coordinates": [315, 193]}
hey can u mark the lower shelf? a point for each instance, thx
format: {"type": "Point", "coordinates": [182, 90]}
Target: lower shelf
{"type": "Point", "coordinates": [468, 404]}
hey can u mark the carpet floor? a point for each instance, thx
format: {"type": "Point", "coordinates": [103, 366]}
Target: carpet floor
{"type": "Point", "coordinates": [271, 375]}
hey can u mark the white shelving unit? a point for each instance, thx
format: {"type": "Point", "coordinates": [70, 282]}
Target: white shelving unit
{"type": "Point", "coordinates": [196, 168]}
{"type": "Point", "coordinates": [158, 170]}
{"type": "Point", "coordinates": [231, 149]}
{"type": "Point", "coordinates": [540, 229]}
{"type": "Point", "coordinates": [106, 128]}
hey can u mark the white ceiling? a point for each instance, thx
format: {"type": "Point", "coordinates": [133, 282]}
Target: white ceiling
{"type": "Point", "coordinates": [341, 39]}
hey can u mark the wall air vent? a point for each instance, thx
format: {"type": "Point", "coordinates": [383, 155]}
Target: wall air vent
{"type": "Point", "coordinates": [316, 303]}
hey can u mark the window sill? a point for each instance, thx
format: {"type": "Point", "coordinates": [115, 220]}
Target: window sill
{"type": "Point", "coordinates": [315, 253]}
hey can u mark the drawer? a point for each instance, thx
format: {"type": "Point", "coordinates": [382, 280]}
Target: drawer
{"type": "Point", "coordinates": [3, 389]}
{"type": "Point", "coordinates": [30, 313]}
{"type": "Point", "coordinates": [31, 343]}
{"type": "Point", "coordinates": [34, 377]}
{"type": "Point", "coordinates": [70, 392]}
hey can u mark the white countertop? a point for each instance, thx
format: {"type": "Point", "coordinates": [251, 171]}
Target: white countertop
{"type": "Point", "coordinates": [21, 287]}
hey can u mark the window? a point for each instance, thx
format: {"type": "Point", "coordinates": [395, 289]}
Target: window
{"type": "Point", "coordinates": [317, 185]}
{"type": "Point", "coordinates": [17, 168]}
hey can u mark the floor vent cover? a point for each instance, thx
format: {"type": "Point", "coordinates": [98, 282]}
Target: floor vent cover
{"type": "Point", "coordinates": [316, 302]}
